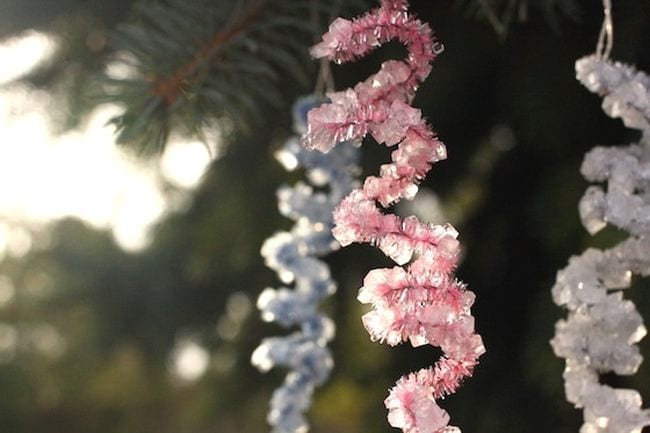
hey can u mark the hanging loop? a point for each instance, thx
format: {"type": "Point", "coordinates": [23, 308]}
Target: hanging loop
{"type": "Point", "coordinates": [606, 37]}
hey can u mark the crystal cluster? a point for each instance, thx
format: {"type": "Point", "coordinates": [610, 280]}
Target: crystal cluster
{"type": "Point", "coordinates": [602, 329]}
{"type": "Point", "coordinates": [418, 301]}
{"type": "Point", "coordinates": [293, 255]}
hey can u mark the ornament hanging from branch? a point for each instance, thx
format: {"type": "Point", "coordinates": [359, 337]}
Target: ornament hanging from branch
{"type": "Point", "coordinates": [418, 301]}
{"type": "Point", "coordinates": [602, 329]}
{"type": "Point", "coordinates": [293, 255]}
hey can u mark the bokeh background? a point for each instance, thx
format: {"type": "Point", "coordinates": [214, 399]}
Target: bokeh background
{"type": "Point", "coordinates": [128, 279]}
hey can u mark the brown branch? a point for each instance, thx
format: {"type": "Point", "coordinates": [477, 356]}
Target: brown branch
{"type": "Point", "coordinates": [169, 88]}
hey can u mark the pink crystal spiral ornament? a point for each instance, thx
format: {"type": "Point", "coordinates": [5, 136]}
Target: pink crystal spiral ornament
{"type": "Point", "coordinates": [418, 301]}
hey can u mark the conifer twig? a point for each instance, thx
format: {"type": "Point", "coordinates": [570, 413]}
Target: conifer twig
{"type": "Point", "coordinates": [168, 88]}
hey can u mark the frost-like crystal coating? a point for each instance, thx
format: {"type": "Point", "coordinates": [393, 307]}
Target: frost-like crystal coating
{"type": "Point", "coordinates": [419, 301]}
{"type": "Point", "coordinates": [293, 255]}
{"type": "Point", "coordinates": [602, 329]}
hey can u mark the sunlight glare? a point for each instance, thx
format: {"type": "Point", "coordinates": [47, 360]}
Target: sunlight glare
{"type": "Point", "coordinates": [82, 174]}
{"type": "Point", "coordinates": [46, 177]}
{"type": "Point", "coordinates": [184, 163]}
{"type": "Point", "coordinates": [23, 53]}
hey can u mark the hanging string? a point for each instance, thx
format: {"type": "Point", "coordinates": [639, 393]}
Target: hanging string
{"type": "Point", "coordinates": [606, 37]}
{"type": "Point", "coordinates": [325, 80]}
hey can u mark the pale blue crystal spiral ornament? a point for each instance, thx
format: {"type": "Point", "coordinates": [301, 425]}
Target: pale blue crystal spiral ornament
{"type": "Point", "coordinates": [294, 256]}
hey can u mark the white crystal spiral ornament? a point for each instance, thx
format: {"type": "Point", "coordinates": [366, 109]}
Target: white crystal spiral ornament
{"type": "Point", "coordinates": [600, 334]}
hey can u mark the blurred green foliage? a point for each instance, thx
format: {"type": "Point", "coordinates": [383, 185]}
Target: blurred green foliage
{"type": "Point", "coordinates": [96, 327]}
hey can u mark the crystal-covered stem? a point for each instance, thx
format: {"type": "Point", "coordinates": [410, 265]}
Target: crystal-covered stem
{"type": "Point", "coordinates": [601, 331]}
{"type": "Point", "coordinates": [293, 255]}
{"type": "Point", "coordinates": [418, 301]}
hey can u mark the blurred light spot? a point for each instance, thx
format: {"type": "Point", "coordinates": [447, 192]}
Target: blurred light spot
{"type": "Point", "coordinates": [287, 159]}
{"type": "Point", "coordinates": [48, 341]}
{"type": "Point", "coordinates": [8, 343]}
{"type": "Point", "coordinates": [7, 290]}
{"type": "Point", "coordinates": [122, 68]}
{"type": "Point", "coordinates": [23, 53]}
{"type": "Point", "coordinates": [184, 163]}
{"type": "Point", "coordinates": [227, 328]}
{"type": "Point", "coordinates": [426, 206]}
{"type": "Point", "coordinates": [238, 306]}
{"type": "Point", "coordinates": [189, 360]}
{"type": "Point", "coordinates": [19, 242]}
{"type": "Point", "coordinates": [137, 208]}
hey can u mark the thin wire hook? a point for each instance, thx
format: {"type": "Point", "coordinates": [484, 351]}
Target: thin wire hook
{"type": "Point", "coordinates": [606, 37]}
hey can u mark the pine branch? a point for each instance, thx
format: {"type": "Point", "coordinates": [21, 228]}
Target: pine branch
{"type": "Point", "coordinates": [169, 88]}
{"type": "Point", "coordinates": [192, 63]}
